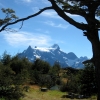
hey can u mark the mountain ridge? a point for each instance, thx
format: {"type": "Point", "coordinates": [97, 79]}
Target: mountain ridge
{"type": "Point", "coordinates": [53, 54]}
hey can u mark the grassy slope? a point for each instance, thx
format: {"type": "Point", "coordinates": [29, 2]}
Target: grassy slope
{"type": "Point", "coordinates": [36, 94]}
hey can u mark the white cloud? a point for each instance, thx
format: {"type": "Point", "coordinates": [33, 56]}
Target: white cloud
{"type": "Point", "coordinates": [25, 1]}
{"type": "Point", "coordinates": [28, 1]}
{"type": "Point", "coordinates": [53, 14]}
{"type": "Point", "coordinates": [46, 2]}
{"type": "Point", "coordinates": [25, 39]}
{"type": "Point", "coordinates": [50, 14]}
{"type": "Point", "coordinates": [51, 23]}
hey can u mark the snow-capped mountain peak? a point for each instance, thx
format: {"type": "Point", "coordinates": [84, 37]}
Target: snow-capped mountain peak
{"type": "Point", "coordinates": [52, 54]}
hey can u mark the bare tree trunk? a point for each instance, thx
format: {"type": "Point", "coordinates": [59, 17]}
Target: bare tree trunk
{"type": "Point", "coordinates": [96, 58]}
{"type": "Point", "coordinates": [97, 66]}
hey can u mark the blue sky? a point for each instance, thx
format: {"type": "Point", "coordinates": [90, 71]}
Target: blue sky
{"type": "Point", "coordinates": [43, 30]}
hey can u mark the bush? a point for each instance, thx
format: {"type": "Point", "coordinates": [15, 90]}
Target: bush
{"type": "Point", "coordinates": [63, 87]}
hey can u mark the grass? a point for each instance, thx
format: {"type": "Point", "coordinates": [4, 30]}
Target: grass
{"type": "Point", "coordinates": [38, 95]}
{"type": "Point", "coordinates": [35, 94]}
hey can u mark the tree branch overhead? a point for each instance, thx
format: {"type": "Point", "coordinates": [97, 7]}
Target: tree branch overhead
{"type": "Point", "coordinates": [61, 13]}
{"type": "Point", "coordinates": [26, 18]}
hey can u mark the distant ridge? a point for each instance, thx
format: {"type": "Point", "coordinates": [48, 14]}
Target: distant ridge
{"type": "Point", "coordinates": [52, 54]}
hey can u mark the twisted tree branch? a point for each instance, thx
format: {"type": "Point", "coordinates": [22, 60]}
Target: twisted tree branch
{"type": "Point", "coordinates": [26, 18]}
{"type": "Point", "coordinates": [61, 13]}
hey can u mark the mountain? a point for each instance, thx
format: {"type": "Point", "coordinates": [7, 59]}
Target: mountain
{"type": "Point", "coordinates": [52, 54]}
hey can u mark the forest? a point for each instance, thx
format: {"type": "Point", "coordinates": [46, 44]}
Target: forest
{"type": "Point", "coordinates": [17, 74]}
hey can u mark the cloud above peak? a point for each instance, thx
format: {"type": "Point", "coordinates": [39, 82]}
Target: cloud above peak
{"type": "Point", "coordinates": [26, 39]}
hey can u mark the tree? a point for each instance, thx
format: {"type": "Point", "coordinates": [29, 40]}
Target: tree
{"type": "Point", "coordinates": [21, 68]}
{"type": "Point", "coordinates": [56, 68]}
{"type": "Point", "coordinates": [73, 80]}
{"type": "Point", "coordinates": [89, 10]}
{"type": "Point", "coordinates": [39, 71]}
{"type": "Point", "coordinates": [6, 58]}
{"type": "Point", "coordinates": [9, 89]}
{"type": "Point", "coordinates": [87, 80]}
{"type": "Point", "coordinates": [41, 66]}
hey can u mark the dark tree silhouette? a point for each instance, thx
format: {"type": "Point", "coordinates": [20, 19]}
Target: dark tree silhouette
{"type": "Point", "coordinates": [89, 9]}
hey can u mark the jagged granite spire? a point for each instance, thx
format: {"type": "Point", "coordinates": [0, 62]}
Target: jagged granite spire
{"type": "Point", "coordinates": [29, 48]}
{"type": "Point", "coordinates": [55, 46]}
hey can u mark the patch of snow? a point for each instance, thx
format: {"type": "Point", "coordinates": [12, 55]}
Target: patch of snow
{"type": "Point", "coordinates": [77, 62]}
{"type": "Point", "coordinates": [43, 49]}
{"type": "Point", "coordinates": [71, 62]}
{"type": "Point", "coordinates": [32, 59]}
{"type": "Point", "coordinates": [64, 57]}
{"type": "Point", "coordinates": [37, 56]}
{"type": "Point", "coordinates": [53, 53]}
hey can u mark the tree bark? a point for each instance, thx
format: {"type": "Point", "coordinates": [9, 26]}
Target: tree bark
{"type": "Point", "coordinates": [97, 68]}
{"type": "Point", "coordinates": [94, 39]}
{"type": "Point", "coordinates": [96, 60]}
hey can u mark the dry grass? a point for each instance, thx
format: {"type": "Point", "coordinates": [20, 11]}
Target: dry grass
{"type": "Point", "coordinates": [35, 94]}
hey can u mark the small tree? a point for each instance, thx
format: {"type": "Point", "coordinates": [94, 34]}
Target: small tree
{"type": "Point", "coordinates": [88, 81]}
{"type": "Point", "coordinates": [41, 66]}
{"type": "Point", "coordinates": [39, 71]}
{"type": "Point", "coordinates": [21, 67]}
{"type": "Point", "coordinates": [6, 58]}
{"type": "Point", "coordinates": [56, 68]}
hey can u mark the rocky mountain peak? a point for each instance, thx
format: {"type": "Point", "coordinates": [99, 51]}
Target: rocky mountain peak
{"type": "Point", "coordinates": [29, 48]}
{"type": "Point", "coordinates": [71, 55]}
{"type": "Point", "coordinates": [55, 46]}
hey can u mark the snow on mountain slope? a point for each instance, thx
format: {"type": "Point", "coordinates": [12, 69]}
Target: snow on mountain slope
{"type": "Point", "coordinates": [53, 54]}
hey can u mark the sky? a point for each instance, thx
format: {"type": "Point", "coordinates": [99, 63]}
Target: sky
{"type": "Point", "coordinates": [43, 30]}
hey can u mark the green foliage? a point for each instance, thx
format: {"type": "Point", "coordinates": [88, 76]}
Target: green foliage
{"type": "Point", "coordinates": [14, 72]}
{"type": "Point", "coordinates": [9, 16]}
{"type": "Point", "coordinates": [8, 88]}
{"type": "Point", "coordinates": [79, 5]}
{"type": "Point", "coordinates": [81, 81]}
{"type": "Point", "coordinates": [71, 70]}
{"type": "Point", "coordinates": [5, 59]}
{"type": "Point", "coordinates": [88, 80]}
{"type": "Point", "coordinates": [63, 87]}
{"type": "Point", "coordinates": [73, 84]}
{"type": "Point", "coordinates": [41, 66]}
{"type": "Point", "coordinates": [56, 68]}
{"type": "Point", "coordinates": [40, 74]}
{"type": "Point", "coordinates": [34, 74]}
